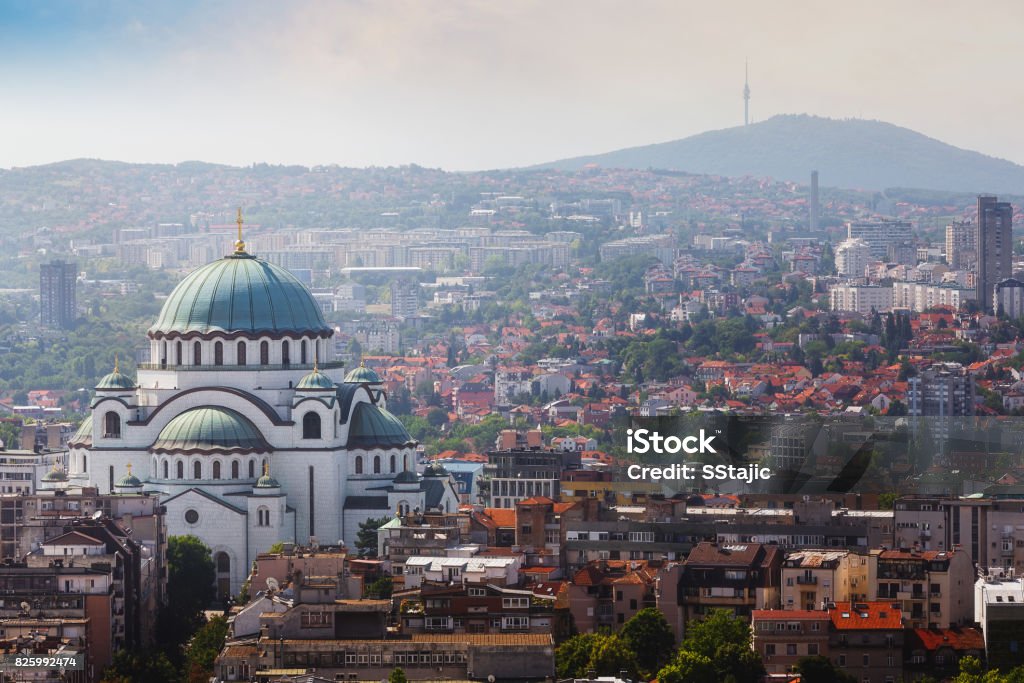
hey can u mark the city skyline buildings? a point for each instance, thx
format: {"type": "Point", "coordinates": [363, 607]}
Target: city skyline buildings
{"type": "Point", "coordinates": [994, 244]}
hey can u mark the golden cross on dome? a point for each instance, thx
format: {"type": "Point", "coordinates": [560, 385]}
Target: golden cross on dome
{"type": "Point", "coordinates": [239, 245]}
{"type": "Point", "coordinates": [266, 469]}
{"type": "Point", "coordinates": [129, 467]}
{"type": "Point", "coordinates": [115, 363]}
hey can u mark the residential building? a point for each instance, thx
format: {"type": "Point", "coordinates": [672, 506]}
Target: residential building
{"type": "Point", "coordinates": [852, 257]}
{"type": "Point", "coordinates": [866, 640]}
{"type": "Point", "coordinates": [999, 611]}
{"type": "Point", "coordinates": [1008, 299]}
{"type": "Point", "coordinates": [880, 234]}
{"type": "Point", "coordinates": [862, 299]}
{"type": "Point", "coordinates": [961, 245]}
{"type": "Point", "coordinates": [783, 637]}
{"type": "Point", "coordinates": [739, 577]}
{"type": "Point", "coordinates": [994, 239]}
{"type": "Point", "coordinates": [932, 586]}
{"type": "Point", "coordinates": [57, 288]}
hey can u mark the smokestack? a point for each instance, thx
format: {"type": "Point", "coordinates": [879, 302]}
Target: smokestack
{"type": "Point", "coordinates": [814, 200]}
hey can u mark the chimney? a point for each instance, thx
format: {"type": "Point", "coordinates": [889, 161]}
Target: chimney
{"type": "Point", "coordinates": [534, 438]}
{"type": "Point", "coordinates": [508, 439]}
{"type": "Point", "coordinates": [28, 437]}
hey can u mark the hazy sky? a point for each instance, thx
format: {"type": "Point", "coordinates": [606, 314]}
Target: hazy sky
{"type": "Point", "coordinates": [465, 85]}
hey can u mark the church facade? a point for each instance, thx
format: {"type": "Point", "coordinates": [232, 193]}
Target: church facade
{"type": "Point", "coordinates": [247, 429]}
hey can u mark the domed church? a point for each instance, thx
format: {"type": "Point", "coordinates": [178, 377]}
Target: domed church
{"type": "Point", "coordinates": [245, 426]}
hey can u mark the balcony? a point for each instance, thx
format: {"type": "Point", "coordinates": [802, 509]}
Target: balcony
{"type": "Point", "coordinates": [807, 580]}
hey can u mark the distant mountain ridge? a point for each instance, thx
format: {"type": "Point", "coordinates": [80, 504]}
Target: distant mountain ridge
{"type": "Point", "coordinates": [848, 153]}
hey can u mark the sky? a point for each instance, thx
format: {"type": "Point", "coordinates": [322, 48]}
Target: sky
{"type": "Point", "coordinates": [468, 85]}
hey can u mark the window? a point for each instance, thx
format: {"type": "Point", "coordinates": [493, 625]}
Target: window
{"type": "Point", "coordinates": [515, 603]}
{"type": "Point", "coordinates": [392, 464]}
{"type": "Point", "coordinates": [477, 592]}
{"type": "Point", "coordinates": [191, 516]}
{"type": "Point", "coordinates": [867, 660]}
{"type": "Point", "coordinates": [181, 470]}
{"type": "Point", "coordinates": [234, 469]}
{"type": "Point", "coordinates": [112, 425]}
{"type": "Point", "coordinates": [812, 649]}
{"type": "Point", "coordinates": [197, 470]}
{"type": "Point", "coordinates": [842, 660]}
{"type": "Point", "coordinates": [165, 469]}
{"type": "Point", "coordinates": [285, 357]}
{"type": "Point", "coordinates": [790, 648]}
{"type": "Point", "coordinates": [316, 619]}
{"type": "Point", "coordinates": [240, 353]}
{"type": "Point", "coordinates": [310, 426]}
{"type": "Point", "coordinates": [262, 516]}
{"type": "Point", "coordinates": [264, 353]}
{"type": "Point", "coordinates": [769, 650]}
{"type": "Point", "coordinates": [376, 464]}
{"type": "Point", "coordinates": [359, 464]}
{"type": "Point", "coordinates": [216, 469]}
{"type": "Point", "coordinates": [218, 353]}
{"type": "Point", "coordinates": [178, 353]}
{"type": "Point", "coordinates": [302, 351]}
{"type": "Point", "coordinates": [197, 353]}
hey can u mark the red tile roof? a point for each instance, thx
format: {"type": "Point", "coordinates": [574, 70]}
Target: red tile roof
{"type": "Point", "coordinates": [866, 616]}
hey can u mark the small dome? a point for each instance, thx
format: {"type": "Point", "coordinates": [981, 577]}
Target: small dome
{"type": "Point", "coordinates": [210, 429]}
{"type": "Point", "coordinates": [314, 381]}
{"type": "Point", "coordinates": [407, 477]}
{"type": "Point", "coordinates": [362, 375]}
{"type": "Point", "coordinates": [267, 481]}
{"type": "Point", "coordinates": [240, 294]}
{"type": "Point", "coordinates": [374, 427]}
{"type": "Point", "coordinates": [116, 380]}
{"type": "Point", "coordinates": [435, 469]}
{"type": "Point", "coordinates": [55, 475]}
{"type": "Point", "coordinates": [129, 481]}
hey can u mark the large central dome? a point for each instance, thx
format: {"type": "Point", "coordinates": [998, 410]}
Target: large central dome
{"type": "Point", "coordinates": [240, 294]}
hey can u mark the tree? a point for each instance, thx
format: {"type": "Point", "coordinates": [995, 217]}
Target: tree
{"type": "Point", "coordinates": [649, 635]}
{"type": "Point", "coordinates": [572, 656]}
{"type": "Point", "coordinates": [610, 654]}
{"type": "Point", "coordinates": [130, 666]}
{"type": "Point", "coordinates": [190, 578]}
{"type": "Point", "coordinates": [437, 417]}
{"type": "Point", "coordinates": [818, 669]}
{"type": "Point", "coordinates": [720, 627]}
{"type": "Point", "coordinates": [202, 650]}
{"type": "Point", "coordinates": [688, 667]}
{"type": "Point", "coordinates": [738, 663]}
{"type": "Point", "coordinates": [379, 589]}
{"type": "Point", "coordinates": [366, 539]}
{"type": "Point", "coordinates": [397, 676]}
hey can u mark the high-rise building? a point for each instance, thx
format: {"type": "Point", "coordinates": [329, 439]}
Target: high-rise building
{"type": "Point", "coordinates": [994, 239]}
{"type": "Point", "coordinates": [57, 282]}
{"type": "Point", "coordinates": [404, 298]}
{"type": "Point", "coordinates": [961, 245]}
{"type": "Point", "coordinates": [943, 390]}
{"type": "Point", "coordinates": [880, 234]}
{"type": "Point", "coordinates": [1008, 299]}
{"type": "Point", "coordinates": [852, 257]}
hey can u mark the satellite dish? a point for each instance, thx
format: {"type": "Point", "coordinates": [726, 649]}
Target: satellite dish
{"type": "Point", "coordinates": [272, 583]}
{"type": "Point", "coordinates": [25, 606]}
{"type": "Point", "coordinates": [98, 515]}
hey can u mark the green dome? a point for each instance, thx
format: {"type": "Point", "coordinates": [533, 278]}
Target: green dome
{"type": "Point", "coordinates": [407, 477]}
{"type": "Point", "coordinates": [116, 380]}
{"type": "Point", "coordinates": [210, 429]}
{"type": "Point", "coordinates": [240, 294]}
{"type": "Point", "coordinates": [374, 427]}
{"type": "Point", "coordinates": [315, 380]}
{"type": "Point", "coordinates": [267, 482]}
{"type": "Point", "coordinates": [362, 375]}
{"type": "Point", "coordinates": [82, 437]}
{"type": "Point", "coordinates": [129, 481]}
{"type": "Point", "coordinates": [55, 475]}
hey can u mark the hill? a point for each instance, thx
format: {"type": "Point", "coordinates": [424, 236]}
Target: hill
{"type": "Point", "coordinates": [850, 153]}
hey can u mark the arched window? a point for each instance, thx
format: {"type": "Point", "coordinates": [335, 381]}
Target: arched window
{"type": "Point", "coordinates": [252, 469]}
{"type": "Point", "coordinates": [264, 353]}
{"type": "Point", "coordinates": [311, 426]}
{"type": "Point", "coordinates": [218, 354]}
{"type": "Point", "coordinates": [392, 470]}
{"type": "Point", "coordinates": [166, 468]}
{"type": "Point", "coordinates": [262, 516]}
{"type": "Point", "coordinates": [359, 464]}
{"type": "Point", "coordinates": [181, 470]}
{"type": "Point", "coordinates": [405, 463]}
{"type": "Point", "coordinates": [197, 470]}
{"type": "Point", "coordinates": [303, 351]}
{"type": "Point", "coordinates": [112, 425]}
{"type": "Point", "coordinates": [223, 563]}
{"type": "Point", "coordinates": [376, 464]}
{"type": "Point", "coordinates": [197, 353]}
{"type": "Point", "coordinates": [234, 469]}
{"type": "Point", "coordinates": [85, 464]}
{"type": "Point", "coordinates": [178, 351]}
{"type": "Point", "coordinates": [241, 353]}
{"type": "Point", "coordinates": [285, 356]}
{"type": "Point", "coordinates": [216, 469]}
{"type": "Point", "coordinates": [163, 355]}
